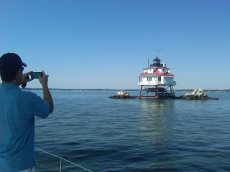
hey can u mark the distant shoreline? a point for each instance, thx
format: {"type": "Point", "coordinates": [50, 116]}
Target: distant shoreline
{"type": "Point", "coordinates": [79, 89]}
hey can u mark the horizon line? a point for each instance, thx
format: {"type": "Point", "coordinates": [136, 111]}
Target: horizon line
{"type": "Point", "coordinates": [134, 89]}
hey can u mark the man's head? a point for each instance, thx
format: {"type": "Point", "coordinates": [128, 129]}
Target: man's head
{"type": "Point", "coordinates": [10, 64]}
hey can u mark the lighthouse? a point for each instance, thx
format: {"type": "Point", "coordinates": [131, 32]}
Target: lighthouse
{"type": "Point", "coordinates": [156, 81]}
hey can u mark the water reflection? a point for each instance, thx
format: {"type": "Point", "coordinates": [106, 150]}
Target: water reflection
{"type": "Point", "coordinates": [156, 119]}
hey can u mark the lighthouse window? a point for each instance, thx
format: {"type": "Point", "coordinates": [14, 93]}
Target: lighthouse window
{"type": "Point", "coordinates": [149, 78]}
{"type": "Point", "coordinates": [159, 79]}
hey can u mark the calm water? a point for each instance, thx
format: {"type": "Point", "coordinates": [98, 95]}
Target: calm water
{"type": "Point", "coordinates": [110, 135]}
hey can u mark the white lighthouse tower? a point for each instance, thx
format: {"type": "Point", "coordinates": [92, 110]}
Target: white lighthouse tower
{"type": "Point", "coordinates": [156, 81]}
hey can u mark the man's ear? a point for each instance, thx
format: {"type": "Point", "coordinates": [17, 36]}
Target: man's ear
{"type": "Point", "coordinates": [19, 73]}
{"type": "Point", "coordinates": [18, 76]}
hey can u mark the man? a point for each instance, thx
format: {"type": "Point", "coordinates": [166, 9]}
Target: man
{"type": "Point", "coordinates": [17, 111]}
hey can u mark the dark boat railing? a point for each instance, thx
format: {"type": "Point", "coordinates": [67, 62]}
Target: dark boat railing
{"type": "Point", "coordinates": [61, 159]}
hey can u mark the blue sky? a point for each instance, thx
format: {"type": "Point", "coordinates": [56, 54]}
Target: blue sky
{"type": "Point", "coordinates": [107, 43]}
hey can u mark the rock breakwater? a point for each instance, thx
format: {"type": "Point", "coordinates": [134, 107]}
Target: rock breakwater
{"type": "Point", "coordinates": [197, 94]}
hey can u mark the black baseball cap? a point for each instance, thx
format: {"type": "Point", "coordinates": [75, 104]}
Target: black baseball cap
{"type": "Point", "coordinates": [11, 62]}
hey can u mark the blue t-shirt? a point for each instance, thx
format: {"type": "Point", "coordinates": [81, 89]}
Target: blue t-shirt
{"type": "Point", "coordinates": [17, 110]}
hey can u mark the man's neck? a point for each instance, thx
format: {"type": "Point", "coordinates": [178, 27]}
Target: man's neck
{"type": "Point", "coordinates": [12, 82]}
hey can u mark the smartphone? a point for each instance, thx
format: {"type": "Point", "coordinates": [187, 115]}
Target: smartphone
{"type": "Point", "coordinates": [36, 75]}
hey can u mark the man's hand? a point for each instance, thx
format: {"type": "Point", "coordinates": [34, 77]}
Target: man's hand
{"type": "Point", "coordinates": [43, 79]}
{"type": "Point", "coordinates": [25, 78]}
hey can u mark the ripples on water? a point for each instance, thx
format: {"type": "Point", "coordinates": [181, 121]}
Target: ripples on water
{"type": "Point", "coordinates": [110, 135]}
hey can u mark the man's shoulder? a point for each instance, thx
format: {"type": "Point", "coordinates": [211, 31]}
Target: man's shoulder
{"type": "Point", "coordinates": [27, 94]}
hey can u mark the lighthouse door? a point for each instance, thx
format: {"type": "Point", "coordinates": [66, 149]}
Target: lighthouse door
{"type": "Point", "coordinates": [159, 80]}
